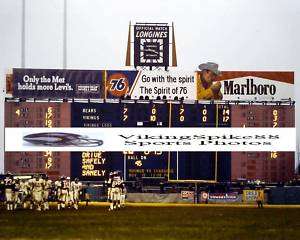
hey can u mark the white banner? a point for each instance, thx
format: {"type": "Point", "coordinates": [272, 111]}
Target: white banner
{"type": "Point", "coordinates": [170, 84]}
{"type": "Point", "coordinates": [150, 139]}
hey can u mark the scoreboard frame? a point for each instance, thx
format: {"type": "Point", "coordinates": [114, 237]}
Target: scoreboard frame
{"type": "Point", "coordinates": [170, 103]}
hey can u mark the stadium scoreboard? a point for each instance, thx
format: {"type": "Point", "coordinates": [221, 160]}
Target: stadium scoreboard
{"type": "Point", "coordinates": [176, 165]}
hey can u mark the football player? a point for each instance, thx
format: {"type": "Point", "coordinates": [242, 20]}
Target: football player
{"type": "Point", "coordinates": [46, 192]}
{"type": "Point", "coordinates": [61, 192]}
{"type": "Point", "coordinates": [2, 190]}
{"type": "Point", "coordinates": [17, 193]}
{"type": "Point", "coordinates": [108, 183]}
{"type": "Point", "coordinates": [9, 186]}
{"type": "Point", "coordinates": [123, 194]}
{"type": "Point", "coordinates": [37, 191]}
{"type": "Point", "coordinates": [67, 185]}
{"type": "Point", "coordinates": [24, 193]}
{"type": "Point", "coordinates": [116, 187]}
{"type": "Point", "coordinates": [75, 190]}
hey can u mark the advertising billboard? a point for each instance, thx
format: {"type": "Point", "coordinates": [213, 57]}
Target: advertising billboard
{"type": "Point", "coordinates": [154, 84]}
{"type": "Point", "coordinates": [57, 83]}
{"type": "Point", "coordinates": [247, 86]}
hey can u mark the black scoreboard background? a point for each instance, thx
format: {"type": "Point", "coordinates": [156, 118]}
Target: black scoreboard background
{"type": "Point", "coordinates": [201, 165]}
{"type": "Point", "coordinates": [182, 165]}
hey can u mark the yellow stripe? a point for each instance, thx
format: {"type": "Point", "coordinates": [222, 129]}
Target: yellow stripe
{"type": "Point", "coordinates": [135, 82]}
{"type": "Point", "coordinates": [169, 153]}
{"type": "Point", "coordinates": [192, 181]}
{"type": "Point", "coordinates": [216, 153]}
{"type": "Point", "coordinates": [105, 82]}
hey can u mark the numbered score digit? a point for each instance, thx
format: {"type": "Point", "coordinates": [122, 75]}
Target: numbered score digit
{"type": "Point", "coordinates": [204, 115]}
{"type": "Point", "coordinates": [153, 117]}
{"type": "Point", "coordinates": [117, 84]}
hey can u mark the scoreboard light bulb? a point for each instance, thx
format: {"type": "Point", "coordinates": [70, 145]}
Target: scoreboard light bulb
{"type": "Point", "coordinates": [274, 155]}
{"type": "Point", "coordinates": [128, 152]}
{"type": "Point", "coordinates": [152, 118]}
{"type": "Point", "coordinates": [138, 163]}
{"type": "Point", "coordinates": [225, 118]}
{"type": "Point", "coordinates": [226, 112]}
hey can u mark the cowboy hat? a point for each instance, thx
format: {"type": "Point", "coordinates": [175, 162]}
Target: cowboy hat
{"type": "Point", "coordinates": [210, 66]}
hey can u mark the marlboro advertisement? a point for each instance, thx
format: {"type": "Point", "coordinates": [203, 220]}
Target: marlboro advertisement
{"type": "Point", "coordinates": [238, 85]}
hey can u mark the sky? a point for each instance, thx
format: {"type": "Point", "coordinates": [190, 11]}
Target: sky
{"type": "Point", "coordinates": [244, 35]}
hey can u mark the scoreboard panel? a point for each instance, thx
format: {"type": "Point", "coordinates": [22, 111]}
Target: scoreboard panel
{"type": "Point", "coordinates": [151, 114]}
{"type": "Point", "coordinates": [38, 114]}
{"type": "Point", "coordinates": [120, 114]}
{"type": "Point", "coordinates": [89, 165]}
{"type": "Point", "coordinates": [96, 115]}
{"type": "Point", "coordinates": [146, 164]}
{"type": "Point", "coordinates": [201, 165]}
{"type": "Point", "coordinates": [144, 114]}
{"type": "Point", "coordinates": [224, 115]}
{"type": "Point", "coordinates": [193, 165]}
{"type": "Point", "coordinates": [223, 159]}
{"type": "Point", "coordinates": [267, 166]}
{"type": "Point", "coordinates": [193, 115]}
{"type": "Point", "coordinates": [95, 166]}
{"type": "Point", "coordinates": [263, 116]}
{"type": "Point", "coordinates": [124, 114]}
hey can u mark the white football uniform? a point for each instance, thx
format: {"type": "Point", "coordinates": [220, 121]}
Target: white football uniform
{"type": "Point", "coordinates": [123, 196]}
{"type": "Point", "coordinates": [62, 193]}
{"type": "Point", "coordinates": [24, 193]}
{"type": "Point", "coordinates": [58, 189]}
{"type": "Point", "coordinates": [75, 192]}
{"type": "Point", "coordinates": [116, 190]}
{"type": "Point", "coordinates": [46, 192]}
{"type": "Point", "coordinates": [37, 192]}
{"type": "Point", "coordinates": [9, 193]}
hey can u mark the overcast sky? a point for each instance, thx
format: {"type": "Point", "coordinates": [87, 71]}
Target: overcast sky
{"type": "Point", "coordinates": [237, 34]}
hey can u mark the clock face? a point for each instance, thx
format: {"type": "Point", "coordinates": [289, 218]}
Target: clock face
{"type": "Point", "coordinates": [151, 51]}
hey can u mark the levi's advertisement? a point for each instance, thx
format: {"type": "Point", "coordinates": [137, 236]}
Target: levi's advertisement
{"type": "Point", "coordinates": [150, 139]}
{"type": "Point", "coordinates": [57, 83]}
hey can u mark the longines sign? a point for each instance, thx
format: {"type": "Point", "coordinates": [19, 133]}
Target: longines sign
{"type": "Point", "coordinates": [151, 45]}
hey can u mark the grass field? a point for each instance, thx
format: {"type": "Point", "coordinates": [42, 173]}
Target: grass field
{"type": "Point", "coordinates": [153, 222]}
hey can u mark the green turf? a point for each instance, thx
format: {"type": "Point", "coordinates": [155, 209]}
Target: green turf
{"type": "Point", "coordinates": [133, 222]}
